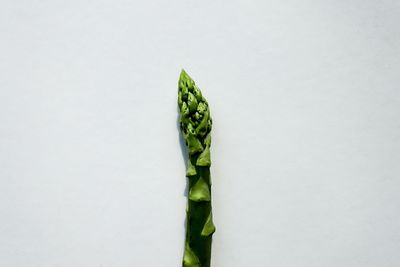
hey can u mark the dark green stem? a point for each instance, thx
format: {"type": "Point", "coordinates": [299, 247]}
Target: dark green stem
{"type": "Point", "coordinates": [197, 215]}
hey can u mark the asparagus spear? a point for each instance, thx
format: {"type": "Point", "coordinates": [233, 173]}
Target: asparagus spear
{"type": "Point", "coordinates": [195, 125]}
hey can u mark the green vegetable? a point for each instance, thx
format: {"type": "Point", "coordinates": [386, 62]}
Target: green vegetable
{"type": "Point", "coordinates": [195, 125]}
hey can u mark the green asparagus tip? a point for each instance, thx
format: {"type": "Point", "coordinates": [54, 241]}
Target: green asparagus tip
{"type": "Point", "coordinates": [195, 125]}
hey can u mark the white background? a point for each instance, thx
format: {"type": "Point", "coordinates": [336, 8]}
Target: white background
{"type": "Point", "coordinates": [306, 141]}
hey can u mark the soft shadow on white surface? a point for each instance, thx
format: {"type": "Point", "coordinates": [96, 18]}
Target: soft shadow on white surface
{"type": "Point", "coordinates": [183, 150]}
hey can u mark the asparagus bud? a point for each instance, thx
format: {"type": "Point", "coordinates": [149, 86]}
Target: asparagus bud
{"type": "Point", "coordinates": [195, 125]}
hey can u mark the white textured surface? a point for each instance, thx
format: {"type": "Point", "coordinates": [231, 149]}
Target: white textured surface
{"type": "Point", "coordinates": [306, 148]}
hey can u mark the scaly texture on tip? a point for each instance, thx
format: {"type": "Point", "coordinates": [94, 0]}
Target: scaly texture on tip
{"type": "Point", "coordinates": [195, 120]}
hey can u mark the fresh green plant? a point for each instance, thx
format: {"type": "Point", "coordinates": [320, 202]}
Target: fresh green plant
{"type": "Point", "coordinates": [195, 125]}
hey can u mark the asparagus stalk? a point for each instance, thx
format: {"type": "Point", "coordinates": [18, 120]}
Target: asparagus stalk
{"type": "Point", "coordinates": [195, 125]}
